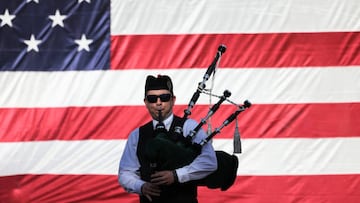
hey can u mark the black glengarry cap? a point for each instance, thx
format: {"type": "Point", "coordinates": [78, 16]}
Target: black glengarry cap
{"type": "Point", "coordinates": [161, 82]}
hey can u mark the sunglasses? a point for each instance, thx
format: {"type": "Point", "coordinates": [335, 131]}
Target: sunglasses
{"type": "Point", "coordinates": [163, 98]}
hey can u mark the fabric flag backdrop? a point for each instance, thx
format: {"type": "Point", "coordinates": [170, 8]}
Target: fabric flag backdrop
{"type": "Point", "coordinates": [72, 82]}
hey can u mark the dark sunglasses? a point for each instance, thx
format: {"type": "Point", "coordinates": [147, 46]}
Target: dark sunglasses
{"type": "Point", "coordinates": [163, 98]}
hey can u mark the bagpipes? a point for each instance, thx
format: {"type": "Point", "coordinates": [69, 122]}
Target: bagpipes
{"type": "Point", "coordinates": [165, 154]}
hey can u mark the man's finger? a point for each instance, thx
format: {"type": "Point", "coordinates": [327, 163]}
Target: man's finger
{"type": "Point", "coordinates": [157, 174]}
{"type": "Point", "coordinates": [155, 191]}
{"type": "Point", "coordinates": [148, 197]}
{"type": "Point", "coordinates": [162, 178]}
{"type": "Point", "coordinates": [157, 179]}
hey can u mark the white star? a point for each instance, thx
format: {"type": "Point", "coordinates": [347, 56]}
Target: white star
{"type": "Point", "coordinates": [79, 1]}
{"type": "Point", "coordinates": [83, 43]}
{"type": "Point", "coordinates": [57, 19]}
{"type": "Point", "coordinates": [36, 1]}
{"type": "Point", "coordinates": [32, 44]}
{"type": "Point", "coordinates": [6, 18]}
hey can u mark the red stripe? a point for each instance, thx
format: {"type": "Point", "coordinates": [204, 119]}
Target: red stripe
{"type": "Point", "coordinates": [243, 50]}
{"type": "Point", "coordinates": [62, 188]}
{"type": "Point", "coordinates": [260, 121]}
{"type": "Point", "coordinates": [274, 189]}
{"type": "Point", "coordinates": [247, 189]}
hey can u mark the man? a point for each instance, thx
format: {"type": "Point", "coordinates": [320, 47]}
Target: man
{"type": "Point", "coordinates": [136, 172]}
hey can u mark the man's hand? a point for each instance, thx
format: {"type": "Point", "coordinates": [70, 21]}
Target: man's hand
{"type": "Point", "coordinates": [163, 178]}
{"type": "Point", "coordinates": [150, 189]}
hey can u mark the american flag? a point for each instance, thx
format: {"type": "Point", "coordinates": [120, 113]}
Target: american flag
{"type": "Point", "coordinates": [72, 77]}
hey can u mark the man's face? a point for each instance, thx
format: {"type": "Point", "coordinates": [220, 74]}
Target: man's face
{"type": "Point", "coordinates": [156, 100]}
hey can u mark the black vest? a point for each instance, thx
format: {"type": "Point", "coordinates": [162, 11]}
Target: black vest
{"type": "Point", "coordinates": [176, 193]}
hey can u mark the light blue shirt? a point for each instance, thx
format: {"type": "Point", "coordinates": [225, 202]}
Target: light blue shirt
{"type": "Point", "coordinates": [202, 165]}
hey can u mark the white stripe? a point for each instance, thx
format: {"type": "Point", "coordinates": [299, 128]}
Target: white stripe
{"type": "Point", "coordinates": [60, 157]}
{"type": "Point", "coordinates": [296, 156]}
{"type": "Point", "coordinates": [108, 88]}
{"type": "Point", "coordinates": [233, 16]}
{"type": "Point", "coordinates": [259, 157]}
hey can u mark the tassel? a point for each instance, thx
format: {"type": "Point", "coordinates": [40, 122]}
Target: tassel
{"type": "Point", "coordinates": [237, 141]}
